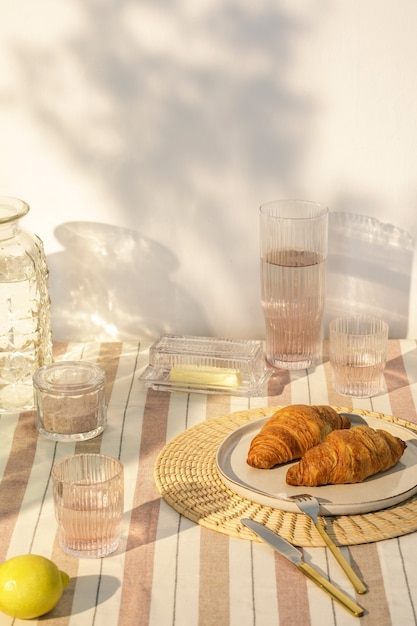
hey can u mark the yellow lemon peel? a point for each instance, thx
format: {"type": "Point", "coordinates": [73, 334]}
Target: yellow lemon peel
{"type": "Point", "coordinates": [30, 586]}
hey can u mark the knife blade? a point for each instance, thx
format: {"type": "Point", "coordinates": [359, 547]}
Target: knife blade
{"type": "Point", "coordinates": [294, 555]}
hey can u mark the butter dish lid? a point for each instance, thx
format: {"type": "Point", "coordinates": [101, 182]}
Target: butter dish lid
{"type": "Point", "coordinates": [207, 365]}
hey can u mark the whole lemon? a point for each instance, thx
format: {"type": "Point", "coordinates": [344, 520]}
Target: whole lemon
{"type": "Point", "coordinates": [30, 586]}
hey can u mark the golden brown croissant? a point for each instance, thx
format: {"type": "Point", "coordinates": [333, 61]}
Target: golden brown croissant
{"type": "Point", "coordinates": [347, 456]}
{"type": "Point", "coordinates": [290, 432]}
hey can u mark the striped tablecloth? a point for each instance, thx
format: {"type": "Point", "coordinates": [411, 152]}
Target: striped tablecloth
{"type": "Point", "coordinates": [169, 570]}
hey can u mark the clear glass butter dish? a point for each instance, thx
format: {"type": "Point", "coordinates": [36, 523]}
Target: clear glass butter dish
{"type": "Point", "coordinates": [207, 365]}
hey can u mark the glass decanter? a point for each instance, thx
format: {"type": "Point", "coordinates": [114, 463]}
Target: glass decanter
{"type": "Point", "coordinates": [25, 321]}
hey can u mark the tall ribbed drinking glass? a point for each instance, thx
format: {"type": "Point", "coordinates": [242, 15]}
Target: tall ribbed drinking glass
{"type": "Point", "coordinates": [293, 236]}
{"type": "Point", "coordinates": [88, 498]}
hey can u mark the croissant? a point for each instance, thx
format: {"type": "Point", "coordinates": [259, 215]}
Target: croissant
{"type": "Point", "coordinates": [290, 432]}
{"type": "Point", "coordinates": [347, 456]}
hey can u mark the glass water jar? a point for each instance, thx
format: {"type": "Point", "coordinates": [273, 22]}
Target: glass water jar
{"type": "Point", "coordinates": [70, 398]}
{"type": "Point", "coordinates": [25, 326]}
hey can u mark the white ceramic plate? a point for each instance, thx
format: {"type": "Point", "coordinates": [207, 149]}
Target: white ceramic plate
{"type": "Point", "coordinates": [269, 488]}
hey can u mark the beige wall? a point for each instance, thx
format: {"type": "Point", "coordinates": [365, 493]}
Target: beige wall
{"type": "Point", "coordinates": [146, 134]}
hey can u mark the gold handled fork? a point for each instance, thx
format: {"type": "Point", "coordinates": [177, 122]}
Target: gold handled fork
{"type": "Point", "coordinates": [310, 506]}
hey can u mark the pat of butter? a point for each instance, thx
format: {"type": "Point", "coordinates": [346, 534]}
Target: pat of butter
{"type": "Point", "coordinates": [205, 376]}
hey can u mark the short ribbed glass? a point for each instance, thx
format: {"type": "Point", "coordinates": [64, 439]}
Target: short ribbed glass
{"type": "Point", "coordinates": [293, 238]}
{"type": "Point", "coordinates": [357, 351]}
{"type": "Point", "coordinates": [88, 496]}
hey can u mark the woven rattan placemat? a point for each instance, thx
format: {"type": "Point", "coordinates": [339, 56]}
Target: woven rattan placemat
{"type": "Point", "coordinates": [186, 476]}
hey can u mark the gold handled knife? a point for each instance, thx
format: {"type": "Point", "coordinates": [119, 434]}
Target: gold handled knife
{"type": "Point", "coordinates": [294, 555]}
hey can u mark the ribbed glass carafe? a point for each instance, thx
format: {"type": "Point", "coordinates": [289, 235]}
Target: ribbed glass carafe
{"type": "Point", "coordinates": [25, 321]}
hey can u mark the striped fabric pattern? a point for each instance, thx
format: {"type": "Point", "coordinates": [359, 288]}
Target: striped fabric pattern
{"type": "Point", "coordinates": [169, 571]}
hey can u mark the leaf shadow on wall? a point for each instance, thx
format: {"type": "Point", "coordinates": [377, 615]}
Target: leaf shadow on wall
{"type": "Point", "coordinates": [171, 113]}
{"type": "Point", "coordinates": [110, 283]}
{"type": "Point", "coordinates": [369, 270]}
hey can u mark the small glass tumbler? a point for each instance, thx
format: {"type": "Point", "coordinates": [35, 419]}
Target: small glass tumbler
{"type": "Point", "coordinates": [70, 400]}
{"type": "Point", "coordinates": [88, 498]}
{"type": "Point", "coordinates": [358, 346]}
